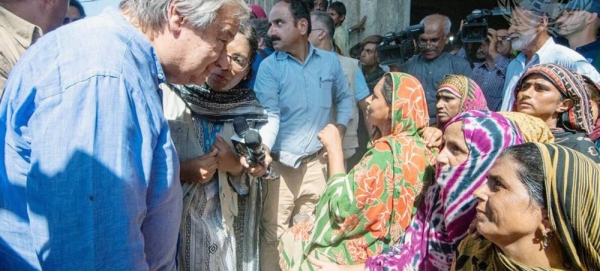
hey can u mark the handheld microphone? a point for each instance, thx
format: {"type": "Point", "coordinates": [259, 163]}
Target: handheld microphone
{"type": "Point", "coordinates": [255, 149]}
{"type": "Point", "coordinates": [240, 126]}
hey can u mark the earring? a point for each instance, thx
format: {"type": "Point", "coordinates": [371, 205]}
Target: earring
{"type": "Point", "coordinates": [545, 240]}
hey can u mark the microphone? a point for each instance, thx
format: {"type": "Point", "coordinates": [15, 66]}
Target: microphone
{"type": "Point", "coordinates": [240, 126]}
{"type": "Point", "coordinates": [255, 148]}
{"type": "Point", "coordinates": [247, 142]}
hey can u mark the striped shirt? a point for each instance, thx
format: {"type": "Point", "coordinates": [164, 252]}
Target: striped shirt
{"type": "Point", "coordinates": [491, 80]}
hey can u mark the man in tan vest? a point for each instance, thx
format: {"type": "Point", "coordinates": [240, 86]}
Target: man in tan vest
{"type": "Point", "coordinates": [321, 37]}
{"type": "Point", "coordinates": [22, 22]}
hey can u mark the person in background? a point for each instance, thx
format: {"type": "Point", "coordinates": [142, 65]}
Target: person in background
{"type": "Point", "coordinates": [560, 98]}
{"type": "Point", "coordinates": [529, 26]}
{"type": "Point", "coordinates": [321, 36]}
{"type": "Point", "coordinates": [337, 11]}
{"type": "Point", "coordinates": [89, 173]}
{"type": "Point", "coordinates": [22, 23]}
{"type": "Point", "coordinates": [320, 5]}
{"type": "Point", "coordinates": [74, 13]}
{"type": "Point", "coordinates": [257, 12]}
{"type": "Point", "coordinates": [369, 61]}
{"type": "Point", "coordinates": [457, 94]}
{"type": "Point", "coordinates": [433, 64]}
{"type": "Point", "coordinates": [537, 211]}
{"type": "Point", "coordinates": [265, 47]}
{"type": "Point", "coordinates": [579, 24]}
{"type": "Point", "coordinates": [298, 86]}
{"type": "Point", "coordinates": [367, 210]}
{"type": "Point", "coordinates": [490, 73]}
{"type": "Point", "coordinates": [503, 46]}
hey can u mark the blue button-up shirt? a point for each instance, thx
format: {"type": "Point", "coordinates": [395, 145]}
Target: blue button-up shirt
{"type": "Point", "coordinates": [88, 172]}
{"type": "Point", "coordinates": [298, 98]}
{"type": "Point", "coordinates": [550, 52]}
{"type": "Point", "coordinates": [491, 81]}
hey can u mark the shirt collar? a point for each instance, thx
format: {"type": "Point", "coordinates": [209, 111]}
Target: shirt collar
{"type": "Point", "coordinates": [23, 31]}
{"type": "Point", "coordinates": [284, 55]}
{"type": "Point", "coordinates": [541, 53]}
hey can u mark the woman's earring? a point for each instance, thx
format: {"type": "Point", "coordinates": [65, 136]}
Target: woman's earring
{"type": "Point", "coordinates": [545, 240]}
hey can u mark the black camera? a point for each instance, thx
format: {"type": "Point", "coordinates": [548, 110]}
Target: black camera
{"type": "Point", "coordinates": [397, 48]}
{"type": "Point", "coordinates": [476, 27]}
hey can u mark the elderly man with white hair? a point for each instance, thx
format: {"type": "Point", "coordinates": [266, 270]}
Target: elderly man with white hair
{"type": "Point", "coordinates": [529, 33]}
{"type": "Point", "coordinates": [432, 64]}
{"type": "Point", "coordinates": [89, 177]}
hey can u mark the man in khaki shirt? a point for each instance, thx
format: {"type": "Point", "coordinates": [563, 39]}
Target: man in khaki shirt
{"type": "Point", "coordinates": [22, 22]}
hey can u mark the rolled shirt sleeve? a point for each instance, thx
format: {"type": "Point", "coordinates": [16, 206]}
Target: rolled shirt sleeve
{"type": "Point", "coordinates": [342, 96]}
{"type": "Point", "coordinates": [361, 89]}
{"type": "Point", "coordinates": [267, 92]}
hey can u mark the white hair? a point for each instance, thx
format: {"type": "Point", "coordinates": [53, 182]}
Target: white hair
{"type": "Point", "coordinates": [152, 14]}
{"type": "Point", "coordinates": [447, 22]}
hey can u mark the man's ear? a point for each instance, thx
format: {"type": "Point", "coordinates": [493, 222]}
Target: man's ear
{"type": "Point", "coordinates": [564, 105]}
{"type": "Point", "coordinates": [174, 19]}
{"type": "Point", "coordinates": [303, 26]}
{"type": "Point", "coordinates": [342, 18]}
{"type": "Point", "coordinates": [591, 18]}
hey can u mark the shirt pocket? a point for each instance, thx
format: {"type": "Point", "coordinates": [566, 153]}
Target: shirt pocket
{"type": "Point", "coordinates": [325, 92]}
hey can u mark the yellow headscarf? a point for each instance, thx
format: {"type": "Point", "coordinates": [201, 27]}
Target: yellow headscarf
{"type": "Point", "coordinates": [532, 128]}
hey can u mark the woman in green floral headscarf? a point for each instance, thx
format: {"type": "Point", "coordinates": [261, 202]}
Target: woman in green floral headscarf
{"type": "Point", "coordinates": [365, 211]}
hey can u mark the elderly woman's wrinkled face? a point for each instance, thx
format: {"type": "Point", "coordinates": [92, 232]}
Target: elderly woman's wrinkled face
{"type": "Point", "coordinates": [506, 212]}
{"type": "Point", "coordinates": [238, 54]}
{"type": "Point", "coordinates": [539, 98]}
{"type": "Point", "coordinates": [455, 151]}
{"type": "Point", "coordinates": [447, 105]}
{"type": "Point", "coordinates": [378, 111]}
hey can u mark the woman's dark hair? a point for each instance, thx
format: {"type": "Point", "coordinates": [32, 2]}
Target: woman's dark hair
{"type": "Point", "coordinates": [530, 170]}
{"type": "Point", "coordinates": [310, 4]}
{"type": "Point", "coordinates": [338, 7]}
{"type": "Point", "coordinates": [250, 34]}
{"type": "Point", "coordinates": [261, 27]}
{"type": "Point", "coordinates": [77, 5]}
{"type": "Point", "coordinates": [376, 39]}
{"type": "Point", "coordinates": [300, 10]}
{"type": "Point", "coordinates": [387, 89]}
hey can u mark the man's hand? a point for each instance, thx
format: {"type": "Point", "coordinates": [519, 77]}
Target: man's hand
{"type": "Point", "coordinates": [492, 40]}
{"type": "Point", "coordinates": [259, 170]}
{"type": "Point", "coordinates": [227, 160]}
{"type": "Point", "coordinates": [200, 169]}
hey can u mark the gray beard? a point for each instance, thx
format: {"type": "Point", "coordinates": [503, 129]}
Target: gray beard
{"type": "Point", "coordinates": [524, 40]}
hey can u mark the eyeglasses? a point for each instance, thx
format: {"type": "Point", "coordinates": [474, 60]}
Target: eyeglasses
{"type": "Point", "coordinates": [238, 62]}
{"type": "Point", "coordinates": [428, 43]}
{"type": "Point", "coordinates": [315, 29]}
{"type": "Point", "coordinates": [503, 38]}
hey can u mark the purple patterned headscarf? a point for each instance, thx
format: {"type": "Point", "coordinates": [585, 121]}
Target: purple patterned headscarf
{"type": "Point", "coordinates": [443, 217]}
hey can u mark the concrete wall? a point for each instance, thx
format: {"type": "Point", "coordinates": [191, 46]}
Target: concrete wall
{"type": "Point", "coordinates": [382, 15]}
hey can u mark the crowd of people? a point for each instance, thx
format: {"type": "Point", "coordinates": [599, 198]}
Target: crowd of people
{"type": "Point", "coordinates": [128, 140]}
